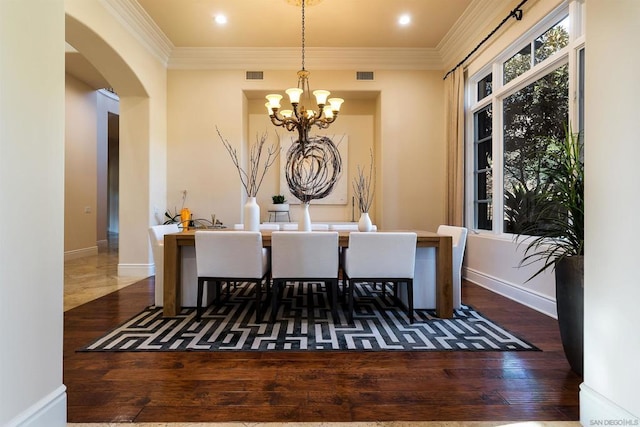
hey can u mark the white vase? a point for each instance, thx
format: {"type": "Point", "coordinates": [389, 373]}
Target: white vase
{"type": "Point", "coordinates": [251, 215]}
{"type": "Point", "coordinates": [305, 220]}
{"type": "Point", "coordinates": [364, 224]}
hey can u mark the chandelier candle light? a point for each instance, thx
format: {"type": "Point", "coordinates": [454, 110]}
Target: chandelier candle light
{"type": "Point", "coordinates": [300, 118]}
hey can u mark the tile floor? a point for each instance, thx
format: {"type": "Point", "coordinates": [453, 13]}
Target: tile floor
{"type": "Point", "coordinates": [91, 277]}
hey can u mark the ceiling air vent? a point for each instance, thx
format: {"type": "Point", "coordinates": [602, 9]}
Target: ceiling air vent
{"type": "Point", "coordinates": [255, 75]}
{"type": "Point", "coordinates": [364, 75]}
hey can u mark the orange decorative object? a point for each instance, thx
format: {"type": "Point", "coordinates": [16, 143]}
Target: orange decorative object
{"type": "Point", "coordinates": [185, 217]}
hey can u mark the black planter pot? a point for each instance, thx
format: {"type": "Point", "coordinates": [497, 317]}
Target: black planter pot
{"type": "Point", "coordinates": [570, 304]}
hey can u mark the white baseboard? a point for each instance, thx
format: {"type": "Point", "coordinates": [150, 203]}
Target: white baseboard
{"type": "Point", "coordinates": [80, 253]}
{"type": "Point", "coordinates": [135, 270]}
{"type": "Point", "coordinates": [50, 411]}
{"type": "Point", "coordinates": [597, 410]}
{"type": "Point", "coordinates": [532, 300]}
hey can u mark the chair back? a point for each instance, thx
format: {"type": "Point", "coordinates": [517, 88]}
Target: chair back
{"type": "Point", "coordinates": [156, 238]}
{"type": "Point", "coordinates": [238, 226]}
{"type": "Point", "coordinates": [289, 226]}
{"type": "Point", "coordinates": [230, 254]}
{"type": "Point", "coordinates": [458, 243]}
{"type": "Point", "coordinates": [269, 226]}
{"type": "Point", "coordinates": [304, 254]}
{"type": "Point", "coordinates": [319, 227]}
{"type": "Point", "coordinates": [157, 232]}
{"type": "Point", "coordinates": [344, 227]}
{"type": "Point", "coordinates": [349, 227]}
{"type": "Point", "coordinates": [381, 255]}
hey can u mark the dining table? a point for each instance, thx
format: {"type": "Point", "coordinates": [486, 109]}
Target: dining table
{"type": "Point", "coordinates": [174, 242]}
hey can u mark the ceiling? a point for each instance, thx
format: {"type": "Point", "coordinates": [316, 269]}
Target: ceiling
{"type": "Point", "coordinates": [329, 23]}
{"type": "Point", "coordinates": [277, 23]}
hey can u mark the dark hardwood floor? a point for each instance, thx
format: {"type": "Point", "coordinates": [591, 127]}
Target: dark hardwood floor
{"type": "Point", "coordinates": [316, 386]}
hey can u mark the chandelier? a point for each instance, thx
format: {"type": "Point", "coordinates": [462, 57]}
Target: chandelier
{"type": "Point", "coordinates": [300, 118]}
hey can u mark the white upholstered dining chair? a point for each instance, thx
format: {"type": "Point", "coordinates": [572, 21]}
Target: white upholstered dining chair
{"type": "Point", "coordinates": [458, 243]}
{"type": "Point", "coordinates": [380, 257]}
{"type": "Point", "coordinates": [304, 256]}
{"type": "Point", "coordinates": [156, 237]}
{"type": "Point", "coordinates": [348, 227]}
{"type": "Point", "coordinates": [263, 226]}
{"type": "Point", "coordinates": [231, 256]}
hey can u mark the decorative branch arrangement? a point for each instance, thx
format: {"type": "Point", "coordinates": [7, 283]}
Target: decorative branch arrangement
{"type": "Point", "coordinates": [252, 180]}
{"type": "Point", "coordinates": [313, 168]}
{"type": "Point", "coordinates": [364, 186]}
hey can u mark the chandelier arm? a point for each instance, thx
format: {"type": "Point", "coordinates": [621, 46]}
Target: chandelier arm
{"type": "Point", "coordinates": [276, 121]}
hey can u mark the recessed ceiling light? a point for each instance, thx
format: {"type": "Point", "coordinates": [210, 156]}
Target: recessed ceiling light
{"type": "Point", "coordinates": [404, 20]}
{"type": "Point", "coordinates": [220, 19]}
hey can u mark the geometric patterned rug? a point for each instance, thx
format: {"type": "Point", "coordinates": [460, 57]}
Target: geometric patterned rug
{"type": "Point", "coordinates": [304, 322]}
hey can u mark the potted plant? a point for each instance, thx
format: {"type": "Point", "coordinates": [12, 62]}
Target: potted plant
{"type": "Point", "coordinates": [556, 239]}
{"type": "Point", "coordinates": [279, 203]}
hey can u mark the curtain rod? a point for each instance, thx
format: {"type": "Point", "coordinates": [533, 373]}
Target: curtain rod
{"type": "Point", "coordinates": [515, 13]}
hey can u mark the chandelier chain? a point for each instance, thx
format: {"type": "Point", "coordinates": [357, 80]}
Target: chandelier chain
{"type": "Point", "coordinates": [303, 40]}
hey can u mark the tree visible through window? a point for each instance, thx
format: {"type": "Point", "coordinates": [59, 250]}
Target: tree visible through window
{"type": "Point", "coordinates": [534, 117]}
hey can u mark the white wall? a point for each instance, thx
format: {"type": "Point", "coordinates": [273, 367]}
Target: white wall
{"type": "Point", "coordinates": [612, 150]}
{"type": "Point", "coordinates": [32, 104]}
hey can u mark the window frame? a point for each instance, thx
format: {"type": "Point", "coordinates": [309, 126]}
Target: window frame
{"type": "Point", "coordinates": [567, 55]}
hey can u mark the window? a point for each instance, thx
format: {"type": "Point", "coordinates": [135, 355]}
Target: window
{"type": "Point", "coordinates": [483, 172]}
{"type": "Point", "coordinates": [532, 116]}
{"type": "Point", "coordinates": [518, 104]}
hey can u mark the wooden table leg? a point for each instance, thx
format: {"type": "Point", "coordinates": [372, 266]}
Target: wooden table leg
{"type": "Point", "coordinates": [444, 278]}
{"type": "Point", "coordinates": [171, 301]}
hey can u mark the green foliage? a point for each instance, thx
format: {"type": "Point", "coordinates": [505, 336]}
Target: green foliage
{"type": "Point", "coordinates": [558, 223]}
{"type": "Point", "coordinates": [278, 199]}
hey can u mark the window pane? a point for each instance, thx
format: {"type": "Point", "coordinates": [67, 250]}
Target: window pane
{"type": "Point", "coordinates": [485, 87]}
{"type": "Point", "coordinates": [484, 219]}
{"type": "Point", "coordinates": [483, 156]}
{"type": "Point", "coordinates": [483, 185]}
{"type": "Point", "coordinates": [483, 173]}
{"type": "Point", "coordinates": [483, 124]}
{"type": "Point", "coordinates": [552, 41]}
{"type": "Point", "coordinates": [517, 64]}
{"type": "Point", "coordinates": [531, 116]}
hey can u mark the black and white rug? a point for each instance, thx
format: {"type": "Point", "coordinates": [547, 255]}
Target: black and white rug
{"type": "Point", "coordinates": [304, 322]}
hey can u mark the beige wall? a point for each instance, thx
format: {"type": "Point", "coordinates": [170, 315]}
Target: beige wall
{"type": "Point", "coordinates": [611, 285]}
{"type": "Point", "coordinates": [86, 145]}
{"type": "Point", "coordinates": [399, 115]}
{"type": "Point", "coordinates": [139, 78]}
{"type": "Point", "coordinates": [80, 190]}
{"type": "Point", "coordinates": [32, 109]}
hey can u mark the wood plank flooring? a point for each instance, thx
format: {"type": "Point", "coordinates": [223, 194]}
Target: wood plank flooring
{"type": "Point", "coordinates": [315, 386]}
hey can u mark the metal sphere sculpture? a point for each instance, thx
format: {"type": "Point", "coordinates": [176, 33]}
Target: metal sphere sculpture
{"type": "Point", "coordinates": [313, 168]}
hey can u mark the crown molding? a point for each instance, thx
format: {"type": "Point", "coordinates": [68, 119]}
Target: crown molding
{"type": "Point", "coordinates": [135, 20]}
{"type": "Point", "coordinates": [472, 26]}
{"type": "Point", "coordinates": [316, 58]}
{"type": "Point", "coordinates": [468, 30]}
